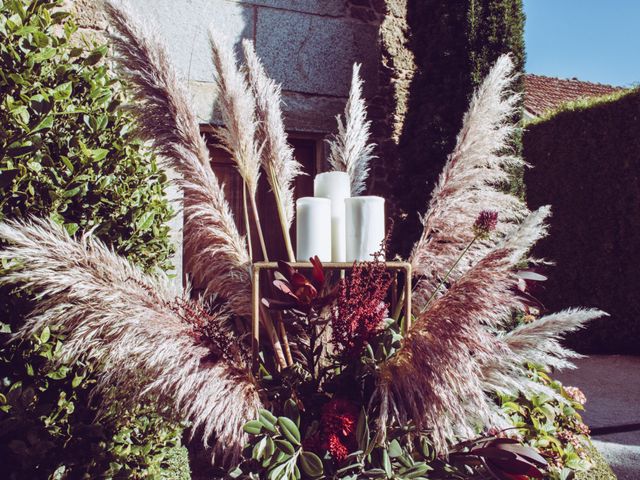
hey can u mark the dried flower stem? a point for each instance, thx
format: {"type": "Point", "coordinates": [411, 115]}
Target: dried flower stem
{"type": "Point", "coordinates": [281, 360]}
{"type": "Point", "coordinates": [285, 357]}
{"type": "Point", "coordinates": [247, 225]}
{"type": "Point", "coordinates": [256, 218]}
{"type": "Point", "coordinates": [285, 230]}
{"type": "Point", "coordinates": [277, 155]}
{"type": "Point", "coordinates": [446, 277]}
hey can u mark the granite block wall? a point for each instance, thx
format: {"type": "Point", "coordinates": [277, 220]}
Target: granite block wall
{"type": "Point", "coordinates": [308, 46]}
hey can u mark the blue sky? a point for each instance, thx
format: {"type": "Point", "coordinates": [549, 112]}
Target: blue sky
{"type": "Point", "coordinates": [593, 40]}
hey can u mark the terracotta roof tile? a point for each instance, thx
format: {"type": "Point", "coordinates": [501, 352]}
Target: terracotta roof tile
{"type": "Point", "coordinates": [547, 93]}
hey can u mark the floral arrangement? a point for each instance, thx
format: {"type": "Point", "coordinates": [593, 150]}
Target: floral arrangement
{"type": "Point", "coordinates": [344, 388]}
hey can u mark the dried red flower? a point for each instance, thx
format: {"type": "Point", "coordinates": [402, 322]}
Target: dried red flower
{"type": "Point", "coordinates": [336, 448]}
{"type": "Point", "coordinates": [485, 223]}
{"type": "Point", "coordinates": [339, 419]}
{"type": "Point", "coordinates": [340, 416]}
{"type": "Point", "coordinates": [360, 306]}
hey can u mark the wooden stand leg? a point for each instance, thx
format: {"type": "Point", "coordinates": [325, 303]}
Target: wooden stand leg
{"type": "Point", "coordinates": [407, 299]}
{"type": "Point", "coordinates": [255, 319]}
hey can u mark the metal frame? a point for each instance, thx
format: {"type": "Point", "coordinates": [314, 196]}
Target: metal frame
{"type": "Point", "coordinates": [255, 295]}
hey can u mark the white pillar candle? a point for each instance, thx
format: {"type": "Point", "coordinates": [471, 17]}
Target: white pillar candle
{"type": "Point", "coordinates": [313, 229]}
{"type": "Point", "coordinates": [336, 186]}
{"type": "Point", "coordinates": [365, 227]}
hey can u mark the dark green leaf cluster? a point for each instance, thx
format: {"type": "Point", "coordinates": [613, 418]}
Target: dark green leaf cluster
{"type": "Point", "coordinates": [68, 152]}
{"type": "Point", "coordinates": [275, 451]}
{"type": "Point", "coordinates": [66, 148]}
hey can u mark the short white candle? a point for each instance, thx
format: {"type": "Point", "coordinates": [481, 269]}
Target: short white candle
{"type": "Point", "coordinates": [313, 229]}
{"type": "Point", "coordinates": [336, 186]}
{"type": "Point", "coordinates": [365, 227]}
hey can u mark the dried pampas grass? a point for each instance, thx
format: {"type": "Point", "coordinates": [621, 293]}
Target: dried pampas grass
{"type": "Point", "coordinates": [237, 108]}
{"type": "Point", "coordinates": [350, 150]}
{"type": "Point", "coordinates": [277, 155]}
{"type": "Point", "coordinates": [216, 254]}
{"type": "Point", "coordinates": [454, 357]}
{"type": "Point", "coordinates": [130, 325]}
{"type": "Point", "coordinates": [237, 135]}
{"type": "Point", "coordinates": [470, 183]}
{"type": "Point", "coordinates": [435, 378]}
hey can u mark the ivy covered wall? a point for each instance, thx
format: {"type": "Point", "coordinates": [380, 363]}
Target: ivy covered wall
{"type": "Point", "coordinates": [454, 44]}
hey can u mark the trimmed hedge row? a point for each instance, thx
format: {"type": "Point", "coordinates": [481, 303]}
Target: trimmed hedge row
{"type": "Point", "coordinates": [586, 161]}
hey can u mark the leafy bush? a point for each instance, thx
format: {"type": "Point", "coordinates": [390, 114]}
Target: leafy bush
{"type": "Point", "coordinates": [68, 152]}
{"type": "Point", "coordinates": [554, 428]}
{"type": "Point", "coordinates": [586, 161]}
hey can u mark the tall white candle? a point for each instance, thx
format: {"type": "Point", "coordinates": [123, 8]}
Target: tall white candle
{"type": "Point", "coordinates": [313, 229]}
{"type": "Point", "coordinates": [365, 227]}
{"type": "Point", "coordinates": [336, 186]}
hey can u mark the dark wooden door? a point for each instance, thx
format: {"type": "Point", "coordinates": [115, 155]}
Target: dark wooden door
{"type": "Point", "coordinates": [306, 152]}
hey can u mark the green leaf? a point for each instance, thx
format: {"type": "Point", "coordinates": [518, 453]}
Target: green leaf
{"type": "Point", "coordinates": [71, 228]}
{"type": "Point", "coordinates": [278, 472]}
{"type": "Point", "coordinates": [40, 39]}
{"type": "Point", "coordinates": [253, 427]}
{"type": "Point", "coordinates": [270, 448]}
{"type": "Point", "coordinates": [417, 470]}
{"type": "Point", "coordinates": [143, 223]}
{"type": "Point", "coordinates": [34, 166]}
{"type": "Point", "coordinates": [394, 449]}
{"type": "Point", "coordinates": [258, 449]}
{"type": "Point", "coordinates": [266, 415]}
{"type": "Point", "coordinates": [285, 446]}
{"type": "Point", "coordinates": [44, 54]}
{"type": "Point", "coordinates": [289, 430]}
{"type": "Point", "coordinates": [291, 410]}
{"type": "Point", "coordinates": [45, 123]}
{"type": "Point", "coordinates": [362, 431]}
{"type": "Point", "coordinates": [67, 163]}
{"type": "Point", "coordinates": [72, 192]}
{"type": "Point", "coordinates": [386, 463]}
{"type": "Point", "coordinates": [59, 374]}
{"type": "Point", "coordinates": [99, 154]}
{"type": "Point", "coordinates": [45, 335]}
{"type": "Point", "coordinates": [63, 91]}
{"type": "Point", "coordinates": [21, 114]}
{"type": "Point", "coordinates": [311, 464]}
{"type": "Point", "coordinates": [77, 380]}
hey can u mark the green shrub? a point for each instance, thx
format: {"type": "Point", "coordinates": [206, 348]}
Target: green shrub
{"type": "Point", "coordinates": [555, 429]}
{"type": "Point", "coordinates": [67, 151]}
{"type": "Point", "coordinates": [586, 160]}
{"type": "Point", "coordinates": [600, 469]}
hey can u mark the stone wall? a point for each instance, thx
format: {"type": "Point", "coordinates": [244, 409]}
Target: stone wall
{"type": "Point", "coordinates": [308, 46]}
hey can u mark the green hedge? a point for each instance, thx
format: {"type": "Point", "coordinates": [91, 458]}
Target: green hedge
{"type": "Point", "coordinates": [67, 152]}
{"type": "Point", "coordinates": [586, 161]}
